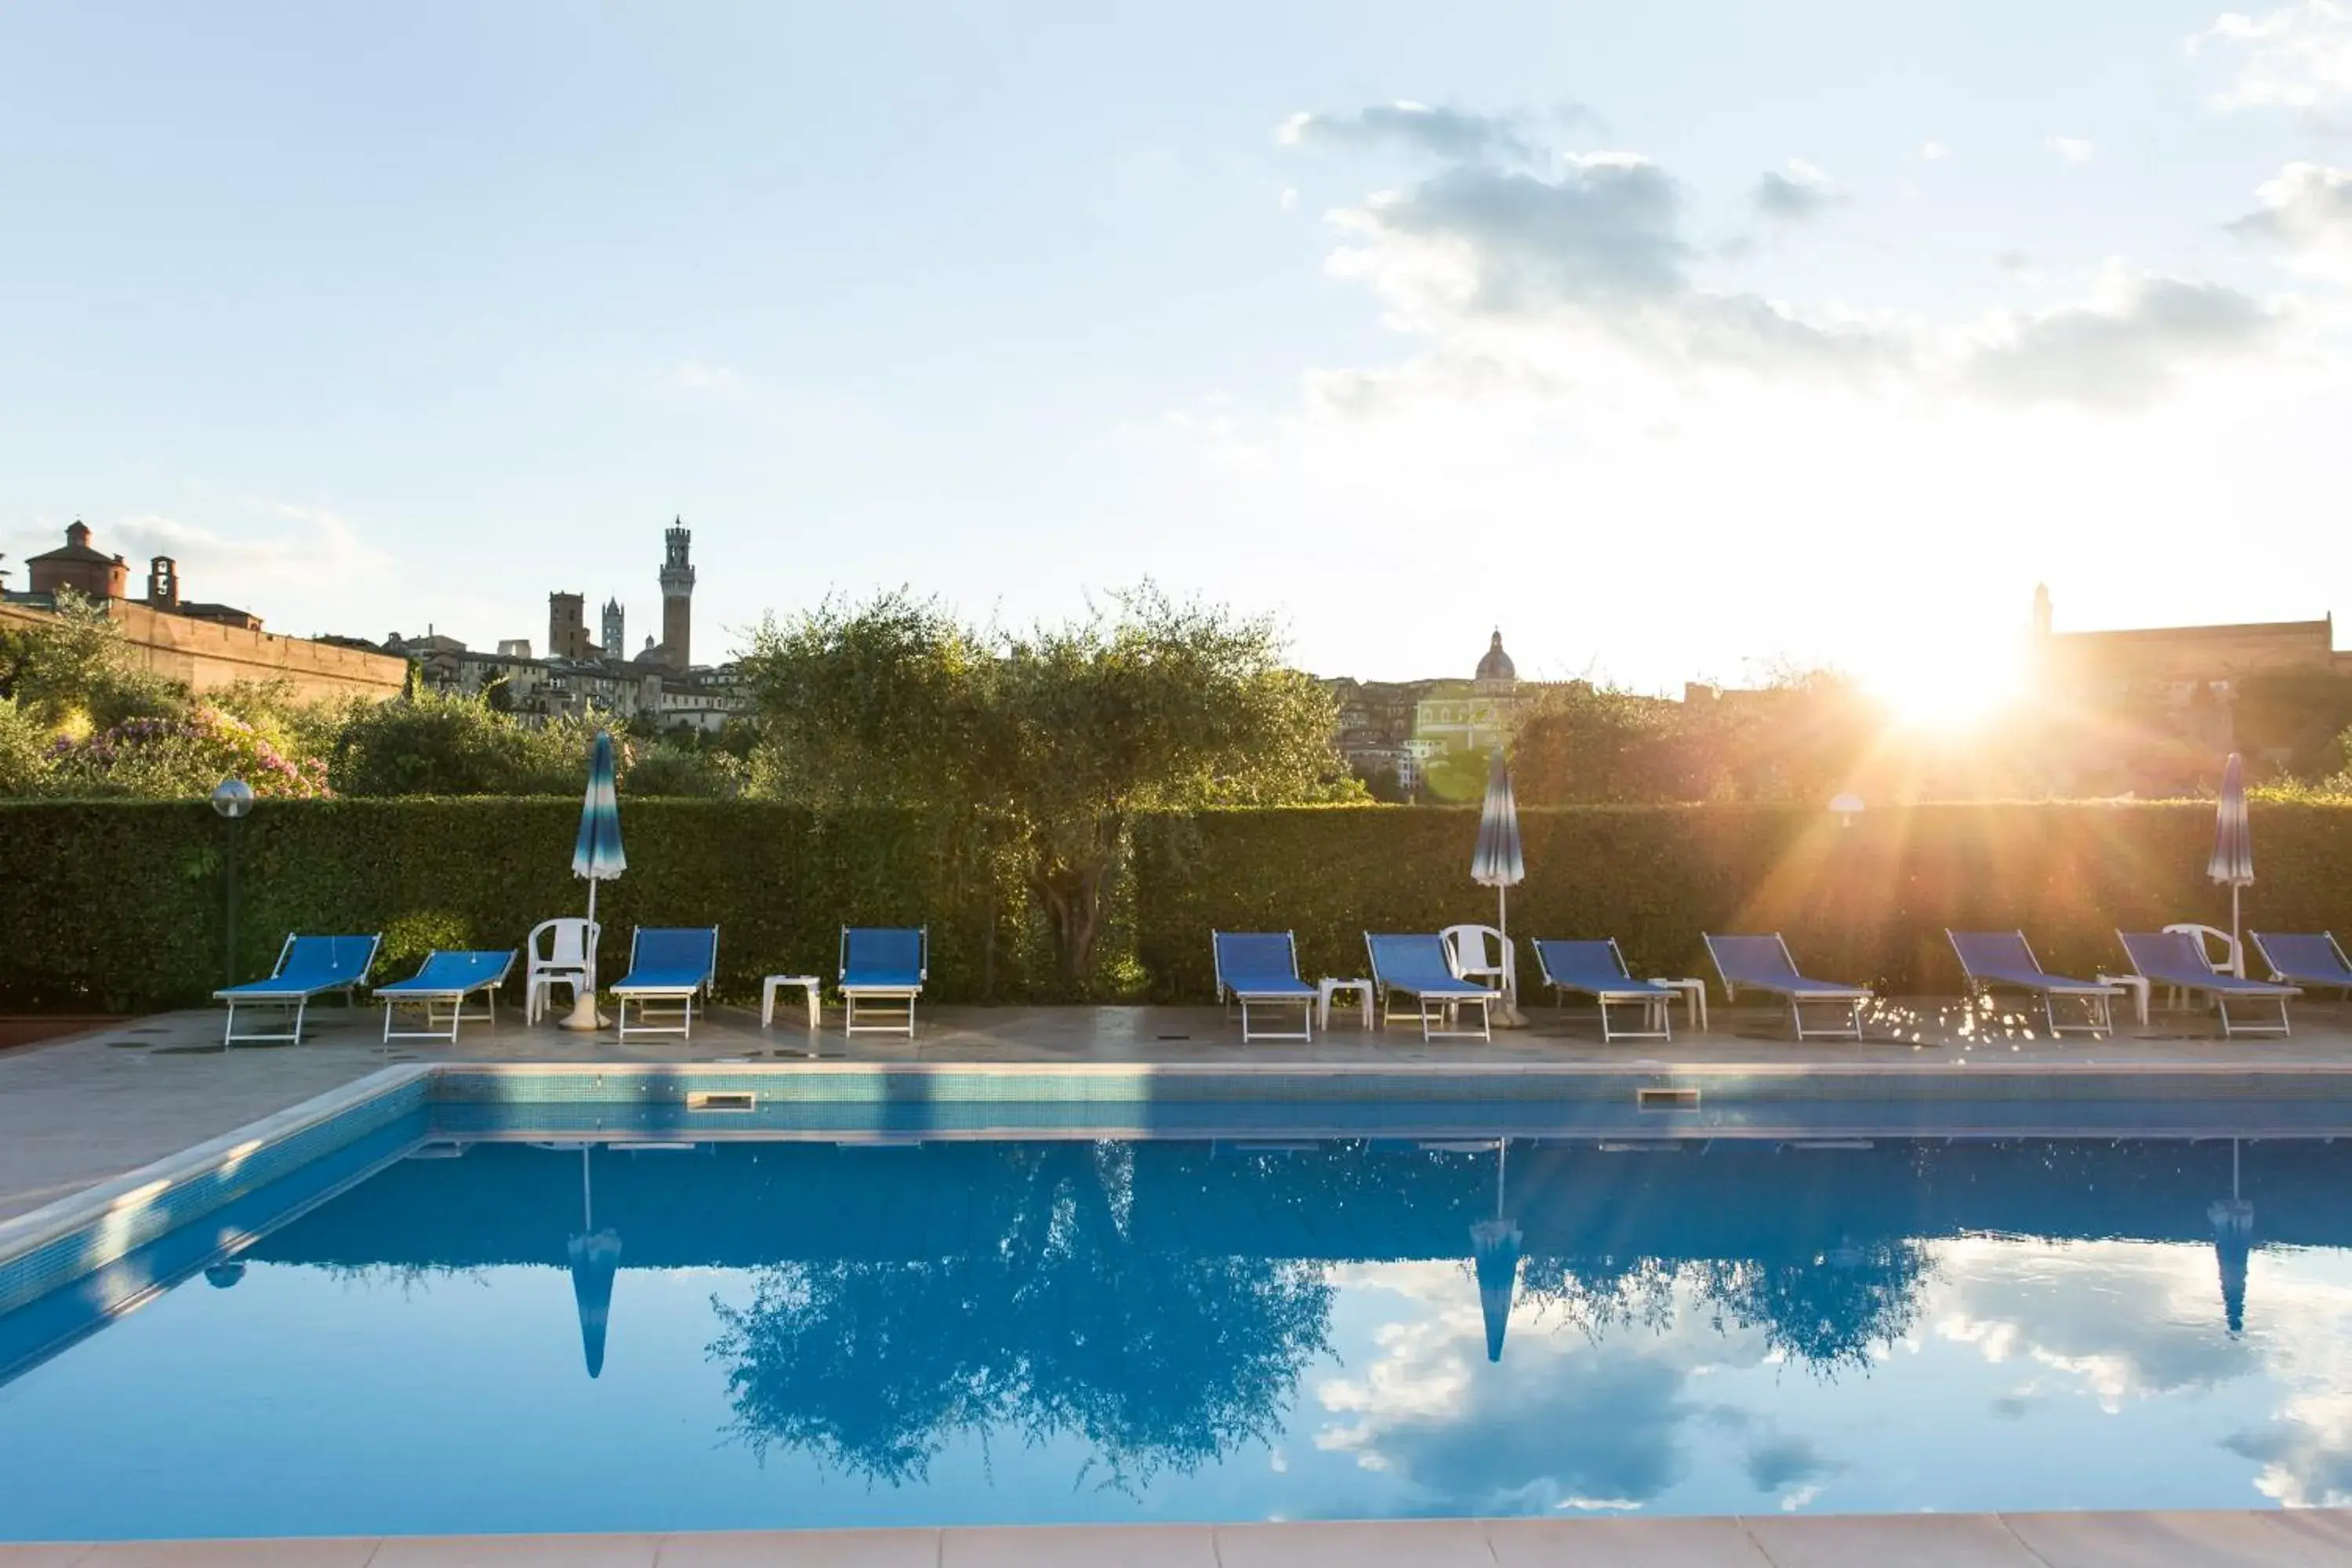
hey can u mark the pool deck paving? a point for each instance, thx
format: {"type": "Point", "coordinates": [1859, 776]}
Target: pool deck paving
{"type": "Point", "coordinates": [88, 1108]}
{"type": "Point", "coordinates": [85, 1108]}
{"type": "Point", "coordinates": [1897, 1541]}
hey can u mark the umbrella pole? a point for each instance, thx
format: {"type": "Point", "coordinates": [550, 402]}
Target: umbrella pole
{"type": "Point", "coordinates": [583, 1015]}
{"type": "Point", "coordinates": [1509, 1014]}
{"type": "Point", "coordinates": [2237, 942]}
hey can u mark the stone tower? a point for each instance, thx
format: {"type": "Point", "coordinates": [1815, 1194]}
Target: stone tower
{"type": "Point", "coordinates": [567, 626]}
{"type": "Point", "coordinates": [615, 646]}
{"type": "Point", "coordinates": [678, 598]}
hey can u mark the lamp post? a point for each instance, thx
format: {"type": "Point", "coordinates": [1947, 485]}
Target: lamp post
{"type": "Point", "coordinates": [233, 798]}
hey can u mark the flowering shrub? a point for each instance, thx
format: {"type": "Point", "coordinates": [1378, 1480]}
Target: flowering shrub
{"type": "Point", "coordinates": [181, 757]}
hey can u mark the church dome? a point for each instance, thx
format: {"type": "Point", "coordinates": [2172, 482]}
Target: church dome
{"type": "Point", "coordinates": [1496, 665]}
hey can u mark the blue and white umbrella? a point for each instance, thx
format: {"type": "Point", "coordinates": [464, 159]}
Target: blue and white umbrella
{"type": "Point", "coordinates": [595, 1257]}
{"type": "Point", "coordinates": [1499, 863]}
{"type": "Point", "coordinates": [1494, 1247]}
{"type": "Point", "coordinates": [2232, 864]}
{"type": "Point", "coordinates": [2232, 1219]}
{"type": "Point", "coordinates": [596, 856]}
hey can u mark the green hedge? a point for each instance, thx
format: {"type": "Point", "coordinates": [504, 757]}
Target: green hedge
{"type": "Point", "coordinates": [119, 905]}
{"type": "Point", "coordinates": [1870, 901]}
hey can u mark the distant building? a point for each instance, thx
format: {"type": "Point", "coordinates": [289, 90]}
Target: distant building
{"type": "Point", "coordinates": [658, 688]}
{"type": "Point", "coordinates": [199, 644]}
{"type": "Point", "coordinates": [2153, 709]}
{"type": "Point", "coordinates": [678, 598]}
{"type": "Point", "coordinates": [567, 628]}
{"type": "Point", "coordinates": [2174, 662]}
{"type": "Point", "coordinates": [1400, 727]}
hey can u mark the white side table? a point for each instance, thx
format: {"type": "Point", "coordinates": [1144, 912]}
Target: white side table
{"type": "Point", "coordinates": [1327, 988]}
{"type": "Point", "coordinates": [1694, 999]}
{"type": "Point", "coordinates": [2137, 985]}
{"type": "Point", "coordinates": [811, 984]}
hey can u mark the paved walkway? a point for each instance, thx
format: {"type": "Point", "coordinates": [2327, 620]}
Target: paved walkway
{"type": "Point", "coordinates": [82, 1109]}
{"type": "Point", "coordinates": [1929, 1541]}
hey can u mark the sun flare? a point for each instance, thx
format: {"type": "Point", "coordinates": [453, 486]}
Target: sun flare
{"type": "Point", "coordinates": [1935, 686]}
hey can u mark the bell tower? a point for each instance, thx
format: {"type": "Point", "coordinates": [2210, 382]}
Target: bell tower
{"type": "Point", "coordinates": [678, 597]}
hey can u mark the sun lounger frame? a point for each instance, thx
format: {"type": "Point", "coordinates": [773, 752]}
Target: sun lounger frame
{"type": "Point", "coordinates": [644, 995]}
{"type": "Point", "coordinates": [884, 999]}
{"type": "Point", "coordinates": [298, 998]}
{"type": "Point", "coordinates": [1654, 1000]}
{"type": "Point", "coordinates": [2099, 998]}
{"type": "Point", "coordinates": [1298, 994]}
{"type": "Point", "coordinates": [2217, 987]}
{"type": "Point", "coordinates": [1436, 1009]}
{"type": "Point", "coordinates": [1819, 992]}
{"type": "Point", "coordinates": [2340, 981]}
{"type": "Point", "coordinates": [407, 993]}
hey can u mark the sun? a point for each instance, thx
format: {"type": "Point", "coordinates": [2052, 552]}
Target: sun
{"type": "Point", "coordinates": [1933, 686]}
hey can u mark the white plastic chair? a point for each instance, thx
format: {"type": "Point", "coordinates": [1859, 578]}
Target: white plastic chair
{"type": "Point", "coordinates": [2231, 960]}
{"type": "Point", "coordinates": [562, 959]}
{"type": "Point", "coordinates": [1484, 956]}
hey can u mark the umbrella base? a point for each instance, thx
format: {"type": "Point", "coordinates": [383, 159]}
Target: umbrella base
{"type": "Point", "coordinates": [1507, 1015]}
{"type": "Point", "coordinates": [584, 1015]}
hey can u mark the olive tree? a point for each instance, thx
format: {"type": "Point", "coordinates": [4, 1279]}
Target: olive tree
{"type": "Point", "coordinates": [1043, 745]}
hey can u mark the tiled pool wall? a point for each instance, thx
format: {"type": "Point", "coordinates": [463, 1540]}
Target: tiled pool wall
{"type": "Point", "coordinates": [54, 1247]}
{"type": "Point", "coordinates": [73, 1240]}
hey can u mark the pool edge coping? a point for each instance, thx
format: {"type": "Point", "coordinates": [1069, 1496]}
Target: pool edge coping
{"type": "Point", "coordinates": [21, 1234]}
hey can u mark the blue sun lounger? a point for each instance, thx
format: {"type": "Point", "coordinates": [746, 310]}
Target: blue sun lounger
{"type": "Point", "coordinates": [670, 964]}
{"type": "Point", "coordinates": [309, 967]}
{"type": "Point", "coordinates": [1261, 967]}
{"type": "Point", "coordinates": [1762, 964]}
{"type": "Point", "coordinates": [447, 978]}
{"type": "Point", "coordinates": [2311, 959]}
{"type": "Point", "coordinates": [1416, 966]}
{"type": "Point", "coordinates": [1597, 969]}
{"type": "Point", "coordinates": [884, 968]}
{"type": "Point", "coordinates": [2004, 958]}
{"type": "Point", "coordinates": [2175, 958]}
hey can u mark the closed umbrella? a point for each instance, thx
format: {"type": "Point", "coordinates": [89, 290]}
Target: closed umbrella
{"type": "Point", "coordinates": [1494, 1247]}
{"type": "Point", "coordinates": [596, 1258]}
{"type": "Point", "coordinates": [2234, 851]}
{"type": "Point", "coordinates": [2232, 1219]}
{"type": "Point", "coordinates": [1499, 863]}
{"type": "Point", "coordinates": [596, 856]}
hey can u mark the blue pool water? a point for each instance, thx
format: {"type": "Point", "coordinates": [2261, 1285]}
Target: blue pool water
{"type": "Point", "coordinates": [738, 1335]}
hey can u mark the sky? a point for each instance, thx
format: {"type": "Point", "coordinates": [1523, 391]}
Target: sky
{"type": "Point", "coordinates": [1680, 342]}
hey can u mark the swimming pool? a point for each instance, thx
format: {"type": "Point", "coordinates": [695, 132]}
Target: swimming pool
{"type": "Point", "coordinates": [507, 1330]}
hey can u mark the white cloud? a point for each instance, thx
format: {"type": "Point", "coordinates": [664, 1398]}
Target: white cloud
{"type": "Point", "coordinates": [2122, 348]}
{"type": "Point", "coordinates": [1933, 153]}
{"type": "Point", "coordinates": [311, 547]}
{"type": "Point", "coordinates": [258, 554]}
{"type": "Point", "coordinates": [1456, 135]}
{"type": "Point", "coordinates": [1799, 192]}
{"type": "Point", "coordinates": [1596, 253]}
{"type": "Point", "coordinates": [2074, 149]}
{"type": "Point", "coordinates": [2297, 57]}
{"type": "Point", "coordinates": [2306, 209]}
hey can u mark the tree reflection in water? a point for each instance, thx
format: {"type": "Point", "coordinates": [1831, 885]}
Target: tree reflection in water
{"type": "Point", "coordinates": [1060, 1323]}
